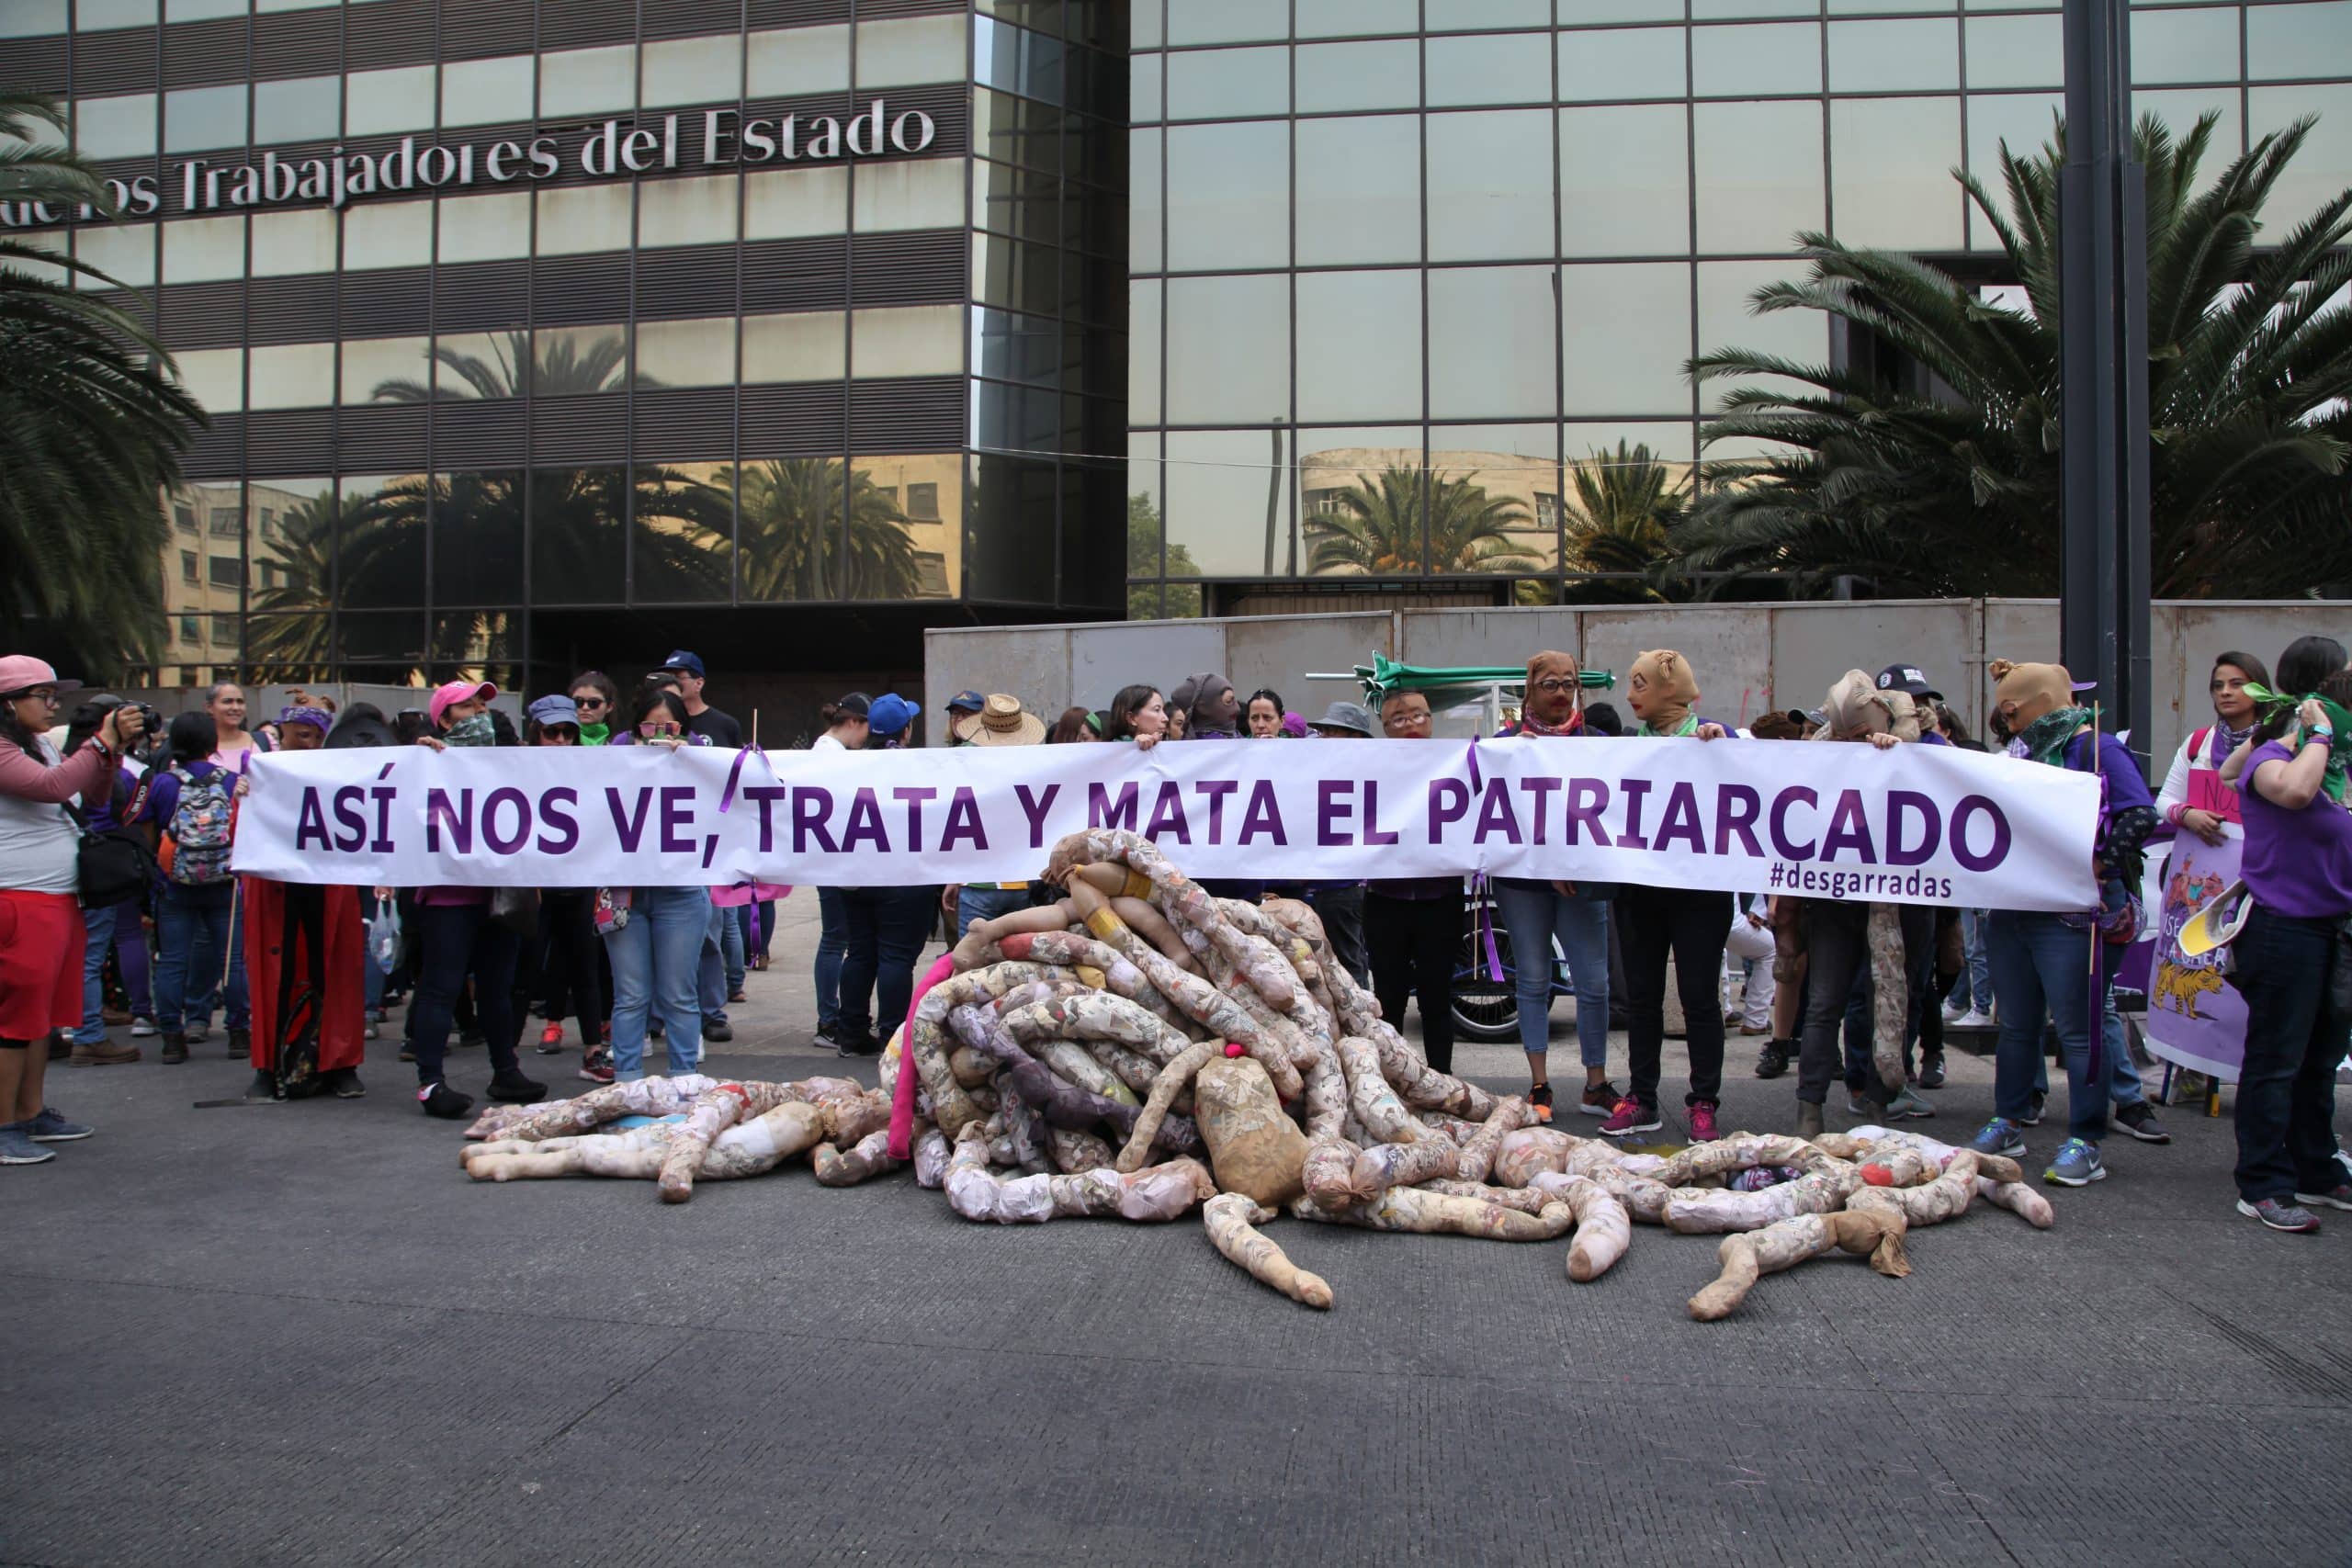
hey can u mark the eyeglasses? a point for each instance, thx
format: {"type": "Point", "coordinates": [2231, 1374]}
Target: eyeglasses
{"type": "Point", "coordinates": [597, 703]}
{"type": "Point", "coordinates": [1417, 720]}
{"type": "Point", "coordinates": [1553, 685]}
{"type": "Point", "coordinates": [41, 695]}
{"type": "Point", "coordinates": [651, 730]}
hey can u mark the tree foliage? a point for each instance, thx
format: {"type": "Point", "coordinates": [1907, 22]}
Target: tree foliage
{"type": "Point", "coordinates": [1374, 528]}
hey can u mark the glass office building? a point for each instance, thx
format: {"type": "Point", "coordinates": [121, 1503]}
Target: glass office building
{"type": "Point", "coordinates": [544, 332]}
{"type": "Point", "coordinates": [539, 335]}
{"type": "Point", "coordinates": [1443, 252]}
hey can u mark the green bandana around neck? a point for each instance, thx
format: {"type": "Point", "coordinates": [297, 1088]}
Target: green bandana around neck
{"type": "Point", "coordinates": [594, 734]}
{"type": "Point", "coordinates": [475, 731]}
{"type": "Point", "coordinates": [2046, 739]}
{"type": "Point", "coordinates": [1690, 725]}
{"type": "Point", "coordinates": [2269, 703]}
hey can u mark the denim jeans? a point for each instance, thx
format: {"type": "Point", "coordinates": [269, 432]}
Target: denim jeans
{"type": "Point", "coordinates": [732, 948]}
{"type": "Point", "coordinates": [1536, 915]}
{"type": "Point", "coordinates": [453, 942]}
{"type": "Point", "coordinates": [97, 934]}
{"type": "Point", "coordinates": [2041, 968]}
{"type": "Point", "coordinates": [833, 946]}
{"type": "Point", "coordinates": [657, 963]}
{"type": "Point", "coordinates": [885, 927]}
{"type": "Point", "coordinates": [2286, 1100]}
{"type": "Point", "coordinates": [1975, 986]}
{"type": "Point", "coordinates": [192, 926]}
{"type": "Point", "coordinates": [985, 904]}
{"type": "Point", "coordinates": [710, 964]}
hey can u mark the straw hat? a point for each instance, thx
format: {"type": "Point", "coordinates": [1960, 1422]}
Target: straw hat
{"type": "Point", "coordinates": [1001, 721]}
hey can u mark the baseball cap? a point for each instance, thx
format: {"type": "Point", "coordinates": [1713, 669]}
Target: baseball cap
{"type": "Point", "coordinates": [682, 660]}
{"type": "Point", "coordinates": [1907, 678]}
{"type": "Point", "coordinates": [890, 712]}
{"type": "Point", "coordinates": [967, 702]}
{"type": "Point", "coordinates": [22, 673]}
{"type": "Point", "coordinates": [453, 692]}
{"type": "Point", "coordinates": [857, 702]}
{"type": "Point", "coordinates": [554, 710]}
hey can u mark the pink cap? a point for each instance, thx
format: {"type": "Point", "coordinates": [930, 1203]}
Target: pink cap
{"type": "Point", "coordinates": [22, 671]}
{"type": "Point", "coordinates": [452, 692]}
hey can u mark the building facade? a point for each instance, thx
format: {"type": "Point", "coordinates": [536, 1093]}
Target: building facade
{"type": "Point", "coordinates": [792, 327]}
{"type": "Point", "coordinates": [776, 324]}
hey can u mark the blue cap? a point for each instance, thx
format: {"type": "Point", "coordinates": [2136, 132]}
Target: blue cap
{"type": "Point", "coordinates": [682, 659]}
{"type": "Point", "coordinates": [967, 702]}
{"type": "Point", "coordinates": [890, 712]}
{"type": "Point", "coordinates": [553, 711]}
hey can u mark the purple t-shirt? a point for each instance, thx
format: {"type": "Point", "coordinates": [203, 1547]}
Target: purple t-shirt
{"type": "Point", "coordinates": [2296, 863]}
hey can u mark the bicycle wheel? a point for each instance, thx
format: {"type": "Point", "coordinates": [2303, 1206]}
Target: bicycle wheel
{"type": "Point", "coordinates": [1485, 1008]}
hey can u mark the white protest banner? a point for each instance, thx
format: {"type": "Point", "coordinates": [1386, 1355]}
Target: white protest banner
{"type": "Point", "coordinates": [1921, 824]}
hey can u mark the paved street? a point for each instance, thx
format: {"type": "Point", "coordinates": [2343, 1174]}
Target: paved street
{"type": "Point", "coordinates": [298, 1334]}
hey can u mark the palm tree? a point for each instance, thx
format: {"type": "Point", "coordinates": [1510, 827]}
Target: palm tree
{"type": "Point", "coordinates": [1375, 528]}
{"type": "Point", "coordinates": [289, 634]}
{"type": "Point", "coordinates": [1956, 488]}
{"type": "Point", "coordinates": [792, 542]}
{"type": "Point", "coordinates": [562, 367]}
{"type": "Point", "coordinates": [92, 428]}
{"type": "Point", "coordinates": [1627, 505]}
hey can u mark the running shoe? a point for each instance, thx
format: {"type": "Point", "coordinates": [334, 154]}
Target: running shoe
{"type": "Point", "coordinates": [1631, 1116]}
{"type": "Point", "coordinates": [2078, 1165]}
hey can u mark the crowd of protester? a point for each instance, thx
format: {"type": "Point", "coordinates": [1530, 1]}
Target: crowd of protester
{"type": "Point", "coordinates": [632, 967]}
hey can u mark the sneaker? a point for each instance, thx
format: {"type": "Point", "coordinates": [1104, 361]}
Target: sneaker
{"type": "Point", "coordinates": [551, 1040]}
{"type": "Point", "coordinates": [513, 1089]}
{"type": "Point", "coordinates": [2139, 1119]}
{"type": "Point", "coordinates": [18, 1148]}
{"type": "Point", "coordinates": [1773, 1060]}
{"type": "Point", "coordinates": [718, 1034]}
{"type": "Point", "coordinates": [264, 1086]}
{"type": "Point", "coordinates": [174, 1047]}
{"type": "Point", "coordinates": [1539, 1098]}
{"type": "Point", "coordinates": [106, 1054]}
{"type": "Point", "coordinates": [1931, 1071]}
{"type": "Point", "coordinates": [471, 1038]}
{"type": "Point", "coordinates": [657, 1029]}
{"type": "Point", "coordinates": [2078, 1165]}
{"type": "Point", "coordinates": [2281, 1216]}
{"type": "Point", "coordinates": [197, 1034]}
{"type": "Point", "coordinates": [240, 1043]}
{"type": "Point", "coordinates": [859, 1045]}
{"type": "Point", "coordinates": [1998, 1137]}
{"type": "Point", "coordinates": [1955, 1010]}
{"type": "Point", "coordinates": [440, 1100]}
{"type": "Point", "coordinates": [1908, 1107]}
{"type": "Point", "coordinates": [1974, 1018]}
{"type": "Point", "coordinates": [1631, 1116]}
{"type": "Point", "coordinates": [142, 1028]}
{"type": "Point", "coordinates": [49, 1127]}
{"type": "Point", "coordinates": [1600, 1098]}
{"type": "Point", "coordinates": [408, 1053]}
{"type": "Point", "coordinates": [1860, 1104]}
{"type": "Point", "coordinates": [371, 1032]}
{"type": "Point", "coordinates": [2032, 1117]}
{"type": "Point", "coordinates": [829, 1037]}
{"type": "Point", "coordinates": [343, 1084]}
{"type": "Point", "coordinates": [596, 1070]}
{"type": "Point", "coordinates": [1701, 1116]}
{"type": "Point", "coordinates": [2338, 1197]}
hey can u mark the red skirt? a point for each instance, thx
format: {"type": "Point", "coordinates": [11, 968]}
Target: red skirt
{"type": "Point", "coordinates": [41, 942]}
{"type": "Point", "coordinates": [285, 976]}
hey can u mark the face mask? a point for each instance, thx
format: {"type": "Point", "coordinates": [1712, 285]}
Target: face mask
{"type": "Point", "coordinates": [475, 731]}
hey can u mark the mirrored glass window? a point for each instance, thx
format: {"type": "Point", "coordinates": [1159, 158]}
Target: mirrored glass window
{"type": "Point", "coordinates": [580, 219]}
{"type": "Point", "coordinates": [1490, 185]}
{"type": "Point", "coordinates": [1359, 345]}
{"type": "Point", "coordinates": [1222, 521]}
{"type": "Point", "coordinates": [387, 370]}
{"type": "Point", "coordinates": [1224, 21]}
{"type": "Point", "coordinates": [1144, 305]}
{"type": "Point", "coordinates": [588, 80]}
{"type": "Point", "coordinates": [481, 364]}
{"type": "Point", "coordinates": [387, 234]}
{"type": "Point", "coordinates": [1144, 210]}
{"type": "Point", "coordinates": [783, 204]}
{"type": "Point", "coordinates": [914, 340]}
{"type": "Point", "coordinates": [686, 354]}
{"type": "Point", "coordinates": [1147, 88]}
{"type": "Point", "coordinates": [571, 362]}
{"type": "Point", "coordinates": [1894, 56]}
{"type": "Point", "coordinates": [1891, 160]}
{"type": "Point", "coordinates": [2283, 42]}
{"type": "Point", "coordinates": [478, 529]}
{"type": "Point", "coordinates": [201, 10]}
{"type": "Point", "coordinates": [915, 193]}
{"type": "Point", "coordinates": [1453, 15]}
{"type": "Point", "coordinates": [1382, 74]}
{"type": "Point", "coordinates": [308, 108]}
{"type": "Point", "coordinates": [379, 102]}
{"type": "Point", "coordinates": [1351, 206]}
{"type": "Point", "coordinates": [1595, 11]}
{"type": "Point", "coordinates": [488, 92]}
{"type": "Point", "coordinates": [1223, 83]}
{"type": "Point", "coordinates": [1493, 499]}
{"type": "Point", "coordinates": [214, 377]}
{"type": "Point", "coordinates": [2015, 51]}
{"type": "Point", "coordinates": [486, 228]}
{"type": "Point", "coordinates": [2321, 172]}
{"type": "Point", "coordinates": [2198, 45]}
{"type": "Point", "coordinates": [1355, 18]}
{"type": "Point", "coordinates": [792, 60]}
{"type": "Point", "coordinates": [289, 557]}
{"type": "Point", "coordinates": [1228, 350]}
{"type": "Point", "coordinates": [1729, 63]}
{"type": "Point", "coordinates": [124, 251]}
{"type": "Point", "coordinates": [1625, 333]}
{"type": "Point", "coordinates": [1361, 501]}
{"type": "Point", "coordinates": [1482, 322]}
{"type": "Point", "coordinates": [698, 211]}
{"type": "Point", "coordinates": [1589, 443]}
{"type": "Point", "coordinates": [287, 244]}
{"type": "Point", "coordinates": [1759, 184]}
{"type": "Point", "coordinates": [905, 50]}
{"type": "Point", "coordinates": [197, 120]}
{"type": "Point", "coordinates": [2024, 122]}
{"type": "Point", "coordinates": [683, 544]}
{"type": "Point", "coordinates": [1228, 195]}
{"type": "Point", "coordinates": [31, 19]}
{"type": "Point", "coordinates": [202, 250]}
{"type": "Point", "coordinates": [693, 71]}
{"type": "Point", "coordinates": [96, 16]}
{"type": "Point", "coordinates": [1497, 68]}
{"type": "Point", "coordinates": [579, 518]}
{"type": "Point", "coordinates": [805, 345]}
{"type": "Point", "coordinates": [1726, 321]}
{"type": "Point", "coordinates": [1625, 181]}
{"type": "Point", "coordinates": [114, 128]}
{"type": "Point", "coordinates": [1622, 62]}
{"type": "Point", "coordinates": [292, 376]}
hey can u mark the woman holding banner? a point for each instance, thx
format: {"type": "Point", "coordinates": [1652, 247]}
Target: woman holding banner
{"type": "Point", "coordinates": [1538, 912]}
{"type": "Point", "coordinates": [654, 935]}
{"type": "Point", "coordinates": [2298, 870]}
